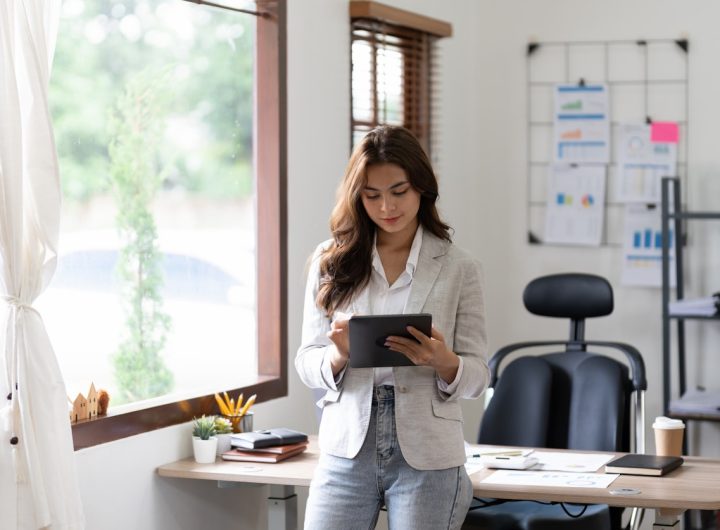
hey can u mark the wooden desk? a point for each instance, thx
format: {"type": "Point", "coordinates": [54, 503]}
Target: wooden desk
{"type": "Point", "coordinates": [695, 485]}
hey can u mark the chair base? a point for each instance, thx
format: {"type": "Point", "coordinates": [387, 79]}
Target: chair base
{"type": "Point", "coordinates": [528, 515]}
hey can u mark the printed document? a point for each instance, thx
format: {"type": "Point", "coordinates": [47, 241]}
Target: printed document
{"type": "Point", "coordinates": [581, 124]}
{"type": "Point", "coordinates": [573, 462]}
{"type": "Point", "coordinates": [642, 162]}
{"type": "Point", "coordinates": [642, 247]}
{"type": "Point", "coordinates": [550, 478]}
{"type": "Point", "coordinates": [575, 211]}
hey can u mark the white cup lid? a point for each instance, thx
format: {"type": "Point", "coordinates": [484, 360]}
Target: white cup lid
{"type": "Point", "coordinates": [663, 422]}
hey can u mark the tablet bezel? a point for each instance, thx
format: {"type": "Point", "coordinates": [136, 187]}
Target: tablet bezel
{"type": "Point", "coordinates": [367, 333]}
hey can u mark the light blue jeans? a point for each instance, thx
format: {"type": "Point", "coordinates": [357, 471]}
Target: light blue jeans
{"type": "Point", "coordinates": [347, 494]}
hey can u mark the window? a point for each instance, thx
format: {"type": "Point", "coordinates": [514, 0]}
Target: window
{"type": "Point", "coordinates": [169, 123]}
{"type": "Point", "coordinates": [392, 69]}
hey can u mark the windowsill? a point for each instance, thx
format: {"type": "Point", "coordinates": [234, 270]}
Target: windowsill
{"type": "Point", "coordinates": [129, 420]}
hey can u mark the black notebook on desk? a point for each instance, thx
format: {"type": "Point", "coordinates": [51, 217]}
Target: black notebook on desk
{"type": "Point", "coordinates": [267, 438]}
{"type": "Point", "coordinates": [636, 464]}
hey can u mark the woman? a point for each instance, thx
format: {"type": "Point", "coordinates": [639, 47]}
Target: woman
{"type": "Point", "coordinates": [392, 436]}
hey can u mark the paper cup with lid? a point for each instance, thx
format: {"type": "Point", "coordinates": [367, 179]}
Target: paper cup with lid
{"type": "Point", "coordinates": [669, 434]}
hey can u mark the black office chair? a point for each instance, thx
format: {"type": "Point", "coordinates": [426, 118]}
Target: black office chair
{"type": "Point", "coordinates": [569, 399]}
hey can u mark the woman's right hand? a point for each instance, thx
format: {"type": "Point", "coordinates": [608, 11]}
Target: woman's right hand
{"type": "Point", "coordinates": [340, 336]}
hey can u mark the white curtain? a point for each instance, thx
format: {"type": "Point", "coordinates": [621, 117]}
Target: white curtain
{"type": "Point", "coordinates": [38, 479]}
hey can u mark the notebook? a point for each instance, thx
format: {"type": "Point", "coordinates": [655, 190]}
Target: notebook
{"type": "Point", "coordinates": [261, 456]}
{"type": "Point", "coordinates": [267, 438]}
{"type": "Point", "coordinates": [279, 449]}
{"type": "Point", "coordinates": [636, 464]}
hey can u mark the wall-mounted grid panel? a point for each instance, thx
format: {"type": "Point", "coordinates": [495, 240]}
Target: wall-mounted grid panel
{"type": "Point", "coordinates": [646, 79]}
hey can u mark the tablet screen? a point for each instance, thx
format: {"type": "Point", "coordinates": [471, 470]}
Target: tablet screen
{"type": "Point", "coordinates": [369, 332]}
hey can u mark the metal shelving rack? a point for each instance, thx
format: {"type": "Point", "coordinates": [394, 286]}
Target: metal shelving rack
{"type": "Point", "coordinates": [671, 195]}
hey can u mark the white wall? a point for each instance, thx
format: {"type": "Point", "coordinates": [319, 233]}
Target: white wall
{"type": "Point", "coordinates": [482, 175]}
{"type": "Point", "coordinates": [510, 262]}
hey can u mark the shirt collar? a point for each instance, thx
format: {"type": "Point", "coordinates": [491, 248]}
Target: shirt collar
{"type": "Point", "coordinates": [415, 251]}
{"type": "Point", "coordinates": [413, 257]}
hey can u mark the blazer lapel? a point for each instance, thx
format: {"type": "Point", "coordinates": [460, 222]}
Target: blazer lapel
{"type": "Point", "coordinates": [427, 271]}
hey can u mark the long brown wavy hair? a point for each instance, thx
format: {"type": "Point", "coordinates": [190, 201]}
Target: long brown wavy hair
{"type": "Point", "coordinates": [346, 265]}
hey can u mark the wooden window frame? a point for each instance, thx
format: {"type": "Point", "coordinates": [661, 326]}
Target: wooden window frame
{"type": "Point", "coordinates": [417, 35]}
{"type": "Point", "coordinates": [399, 17]}
{"type": "Point", "coordinates": [270, 157]}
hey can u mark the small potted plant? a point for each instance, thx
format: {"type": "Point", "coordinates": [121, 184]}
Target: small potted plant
{"type": "Point", "coordinates": [204, 439]}
{"type": "Point", "coordinates": [223, 430]}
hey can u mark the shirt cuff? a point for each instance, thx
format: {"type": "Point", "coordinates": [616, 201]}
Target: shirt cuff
{"type": "Point", "coordinates": [326, 372]}
{"type": "Point", "coordinates": [449, 388]}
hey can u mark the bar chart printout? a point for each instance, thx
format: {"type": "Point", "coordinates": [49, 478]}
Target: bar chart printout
{"type": "Point", "coordinates": [642, 248]}
{"type": "Point", "coordinates": [575, 209]}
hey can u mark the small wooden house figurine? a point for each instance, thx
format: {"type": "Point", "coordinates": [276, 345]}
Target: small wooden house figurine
{"type": "Point", "coordinates": [88, 408]}
{"type": "Point", "coordinates": [80, 408]}
{"type": "Point", "coordinates": [92, 402]}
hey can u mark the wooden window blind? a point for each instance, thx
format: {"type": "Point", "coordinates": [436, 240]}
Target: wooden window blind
{"type": "Point", "coordinates": [393, 75]}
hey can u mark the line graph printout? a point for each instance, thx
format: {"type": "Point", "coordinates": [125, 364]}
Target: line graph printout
{"type": "Point", "coordinates": [581, 124]}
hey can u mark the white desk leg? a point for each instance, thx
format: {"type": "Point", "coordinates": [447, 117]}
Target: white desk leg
{"type": "Point", "coordinates": [665, 519]}
{"type": "Point", "coordinates": [282, 508]}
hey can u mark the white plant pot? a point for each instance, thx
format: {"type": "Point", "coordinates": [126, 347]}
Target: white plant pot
{"type": "Point", "coordinates": [204, 450]}
{"type": "Point", "coordinates": [223, 443]}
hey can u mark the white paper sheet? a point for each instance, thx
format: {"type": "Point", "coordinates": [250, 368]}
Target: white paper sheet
{"type": "Point", "coordinates": [547, 460]}
{"type": "Point", "coordinates": [550, 479]}
{"type": "Point", "coordinates": [572, 462]}
{"type": "Point", "coordinates": [473, 467]}
{"type": "Point", "coordinates": [575, 210]}
{"type": "Point", "coordinates": [642, 247]}
{"type": "Point", "coordinates": [475, 452]}
{"type": "Point", "coordinates": [642, 163]}
{"type": "Point", "coordinates": [581, 124]}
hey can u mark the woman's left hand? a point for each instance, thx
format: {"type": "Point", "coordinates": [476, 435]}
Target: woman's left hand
{"type": "Point", "coordinates": [430, 351]}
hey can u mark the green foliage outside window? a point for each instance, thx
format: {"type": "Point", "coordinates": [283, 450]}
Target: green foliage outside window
{"type": "Point", "coordinates": [150, 97]}
{"type": "Point", "coordinates": [209, 56]}
{"type": "Point", "coordinates": [135, 131]}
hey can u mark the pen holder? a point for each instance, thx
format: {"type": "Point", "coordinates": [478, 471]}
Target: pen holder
{"type": "Point", "coordinates": [242, 423]}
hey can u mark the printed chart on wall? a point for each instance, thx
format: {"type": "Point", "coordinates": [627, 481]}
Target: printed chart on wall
{"type": "Point", "coordinates": [642, 255]}
{"type": "Point", "coordinates": [581, 124]}
{"type": "Point", "coordinates": [575, 204]}
{"type": "Point", "coordinates": [646, 153]}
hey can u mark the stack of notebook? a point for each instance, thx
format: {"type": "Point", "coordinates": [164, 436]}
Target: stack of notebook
{"type": "Point", "coordinates": [272, 445]}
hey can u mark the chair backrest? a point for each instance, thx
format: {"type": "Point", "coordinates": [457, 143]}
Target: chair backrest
{"type": "Point", "coordinates": [573, 398]}
{"type": "Point", "coordinates": [569, 400]}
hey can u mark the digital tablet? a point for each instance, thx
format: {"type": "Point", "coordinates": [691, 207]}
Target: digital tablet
{"type": "Point", "coordinates": [369, 332]}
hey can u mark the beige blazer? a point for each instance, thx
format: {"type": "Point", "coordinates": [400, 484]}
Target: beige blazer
{"type": "Point", "coordinates": [448, 284]}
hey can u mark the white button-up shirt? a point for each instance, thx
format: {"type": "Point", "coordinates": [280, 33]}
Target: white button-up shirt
{"type": "Point", "coordinates": [386, 299]}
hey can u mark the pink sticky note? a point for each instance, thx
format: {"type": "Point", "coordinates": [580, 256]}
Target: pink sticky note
{"type": "Point", "coordinates": [664, 131]}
